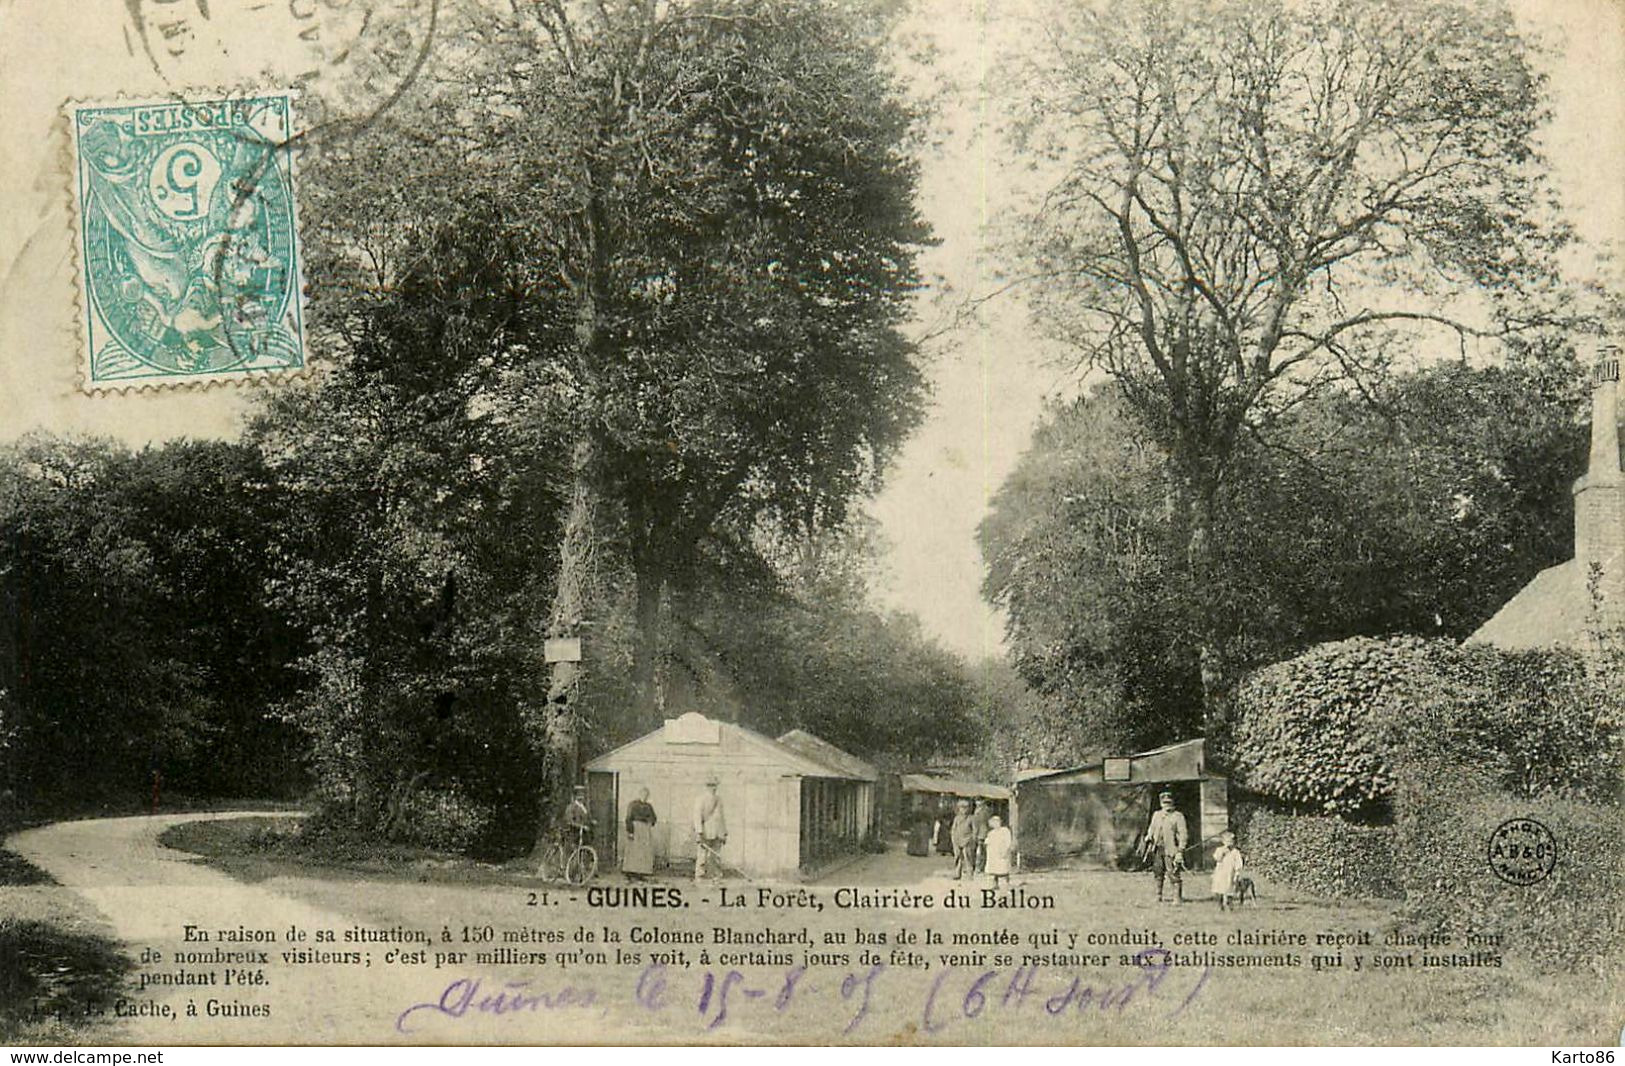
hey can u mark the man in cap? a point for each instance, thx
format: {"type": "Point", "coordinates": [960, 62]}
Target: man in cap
{"type": "Point", "coordinates": [963, 831]}
{"type": "Point", "coordinates": [577, 819]}
{"type": "Point", "coordinates": [980, 819]}
{"type": "Point", "coordinates": [710, 829]}
{"type": "Point", "coordinates": [1165, 840]}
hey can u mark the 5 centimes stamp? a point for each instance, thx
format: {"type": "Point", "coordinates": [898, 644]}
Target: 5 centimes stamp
{"type": "Point", "coordinates": [187, 240]}
{"type": "Point", "coordinates": [1522, 851]}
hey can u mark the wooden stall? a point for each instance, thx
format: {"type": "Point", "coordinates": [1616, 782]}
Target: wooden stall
{"type": "Point", "coordinates": [1099, 811]}
{"type": "Point", "coordinates": [791, 804]}
{"type": "Point", "coordinates": [837, 814]}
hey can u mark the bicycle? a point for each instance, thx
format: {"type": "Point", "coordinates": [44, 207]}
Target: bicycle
{"type": "Point", "coordinates": [573, 866]}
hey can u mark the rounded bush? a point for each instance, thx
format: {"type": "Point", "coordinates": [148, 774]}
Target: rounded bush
{"type": "Point", "coordinates": [1315, 731]}
{"type": "Point", "coordinates": [445, 820]}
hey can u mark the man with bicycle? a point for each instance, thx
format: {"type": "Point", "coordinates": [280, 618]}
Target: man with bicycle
{"type": "Point", "coordinates": [577, 818]}
{"type": "Point", "coordinates": [572, 861]}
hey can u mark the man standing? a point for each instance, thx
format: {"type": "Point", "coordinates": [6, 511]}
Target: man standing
{"type": "Point", "coordinates": [1165, 840]}
{"type": "Point", "coordinates": [710, 829]}
{"type": "Point", "coordinates": [980, 820]}
{"type": "Point", "coordinates": [577, 818]}
{"type": "Point", "coordinates": [963, 834]}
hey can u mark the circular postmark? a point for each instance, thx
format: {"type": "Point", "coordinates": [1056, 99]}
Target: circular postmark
{"type": "Point", "coordinates": [1522, 851]}
{"type": "Point", "coordinates": [186, 227]}
{"type": "Point", "coordinates": [356, 57]}
{"type": "Point", "coordinates": [350, 61]}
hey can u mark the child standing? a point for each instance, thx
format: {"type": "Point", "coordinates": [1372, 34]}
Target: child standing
{"type": "Point", "coordinates": [999, 846]}
{"type": "Point", "coordinates": [1227, 863]}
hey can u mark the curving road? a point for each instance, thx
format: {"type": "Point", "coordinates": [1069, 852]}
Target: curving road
{"type": "Point", "coordinates": [149, 893]}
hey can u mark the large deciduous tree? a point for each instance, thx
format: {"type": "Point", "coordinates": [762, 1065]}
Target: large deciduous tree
{"type": "Point", "coordinates": [1422, 515]}
{"type": "Point", "coordinates": [675, 239]}
{"type": "Point", "coordinates": [1254, 198]}
{"type": "Point", "coordinates": [720, 198]}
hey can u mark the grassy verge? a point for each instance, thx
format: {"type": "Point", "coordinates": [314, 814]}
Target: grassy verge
{"type": "Point", "coordinates": [16, 819]}
{"type": "Point", "coordinates": [15, 870]}
{"type": "Point", "coordinates": [255, 849]}
{"type": "Point", "coordinates": [60, 968]}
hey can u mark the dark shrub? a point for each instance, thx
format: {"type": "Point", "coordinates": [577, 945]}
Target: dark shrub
{"type": "Point", "coordinates": [1322, 854]}
{"type": "Point", "coordinates": [445, 820]}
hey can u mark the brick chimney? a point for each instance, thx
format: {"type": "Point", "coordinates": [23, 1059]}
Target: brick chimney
{"type": "Point", "coordinates": [1599, 496]}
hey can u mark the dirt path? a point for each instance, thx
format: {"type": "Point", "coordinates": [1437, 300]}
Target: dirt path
{"type": "Point", "coordinates": [150, 893]}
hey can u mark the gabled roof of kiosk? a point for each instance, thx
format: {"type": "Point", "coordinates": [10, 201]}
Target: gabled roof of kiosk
{"type": "Point", "coordinates": [821, 750]}
{"type": "Point", "coordinates": [953, 786]}
{"type": "Point", "coordinates": [699, 731]}
{"type": "Point", "coordinates": [1183, 760]}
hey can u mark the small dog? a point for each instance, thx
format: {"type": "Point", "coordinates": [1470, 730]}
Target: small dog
{"type": "Point", "coordinates": [1245, 888]}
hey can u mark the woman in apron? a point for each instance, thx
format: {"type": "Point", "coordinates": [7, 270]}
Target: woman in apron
{"type": "Point", "coordinates": [640, 827]}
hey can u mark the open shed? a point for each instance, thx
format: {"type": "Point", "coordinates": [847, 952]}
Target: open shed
{"type": "Point", "coordinates": [791, 804]}
{"type": "Point", "coordinates": [928, 797]}
{"type": "Point", "coordinates": [836, 817]}
{"type": "Point", "coordinates": [1099, 811]}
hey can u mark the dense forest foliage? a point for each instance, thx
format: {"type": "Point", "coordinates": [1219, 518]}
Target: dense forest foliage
{"type": "Point", "coordinates": [1420, 509]}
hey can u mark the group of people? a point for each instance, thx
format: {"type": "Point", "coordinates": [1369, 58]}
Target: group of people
{"type": "Point", "coordinates": [1163, 849]}
{"type": "Point", "coordinates": [638, 855]}
{"type": "Point", "coordinates": [977, 838]}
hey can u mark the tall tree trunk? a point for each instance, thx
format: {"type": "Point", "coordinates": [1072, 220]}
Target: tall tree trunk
{"type": "Point", "coordinates": [651, 585]}
{"type": "Point", "coordinates": [560, 752]}
{"type": "Point", "coordinates": [1196, 509]}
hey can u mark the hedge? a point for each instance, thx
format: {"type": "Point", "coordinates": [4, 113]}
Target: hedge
{"type": "Point", "coordinates": [1574, 919]}
{"type": "Point", "coordinates": [1313, 731]}
{"type": "Point", "coordinates": [1322, 854]}
{"type": "Point", "coordinates": [1447, 743]}
{"type": "Point", "coordinates": [1324, 730]}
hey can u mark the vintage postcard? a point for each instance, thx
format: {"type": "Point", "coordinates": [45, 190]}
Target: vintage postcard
{"type": "Point", "coordinates": [700, 522]}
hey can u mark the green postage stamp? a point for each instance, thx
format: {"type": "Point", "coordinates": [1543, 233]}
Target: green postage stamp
{"type": "Point", "coordinates": [187, 241]}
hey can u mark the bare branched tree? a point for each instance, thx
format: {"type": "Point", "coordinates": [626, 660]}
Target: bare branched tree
{"type": "Point", "coordinates": [1254, 199]}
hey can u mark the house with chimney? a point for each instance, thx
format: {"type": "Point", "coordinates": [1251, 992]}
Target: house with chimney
{"type": "Point", "coordinates": [1573, 603]}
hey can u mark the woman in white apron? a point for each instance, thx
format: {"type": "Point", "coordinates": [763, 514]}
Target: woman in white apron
{"type": "Point", "coordinates": [640, 829]}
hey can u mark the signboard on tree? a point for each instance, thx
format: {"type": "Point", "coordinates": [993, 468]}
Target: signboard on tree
{"type": "Point", "coordinates": [562, 650]}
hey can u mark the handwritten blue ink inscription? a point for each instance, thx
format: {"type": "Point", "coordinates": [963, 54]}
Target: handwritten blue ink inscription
{"type": "Point", "coordinates": [469, 996]}
{"type": "Point", "coordinates": [845, 1000]}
